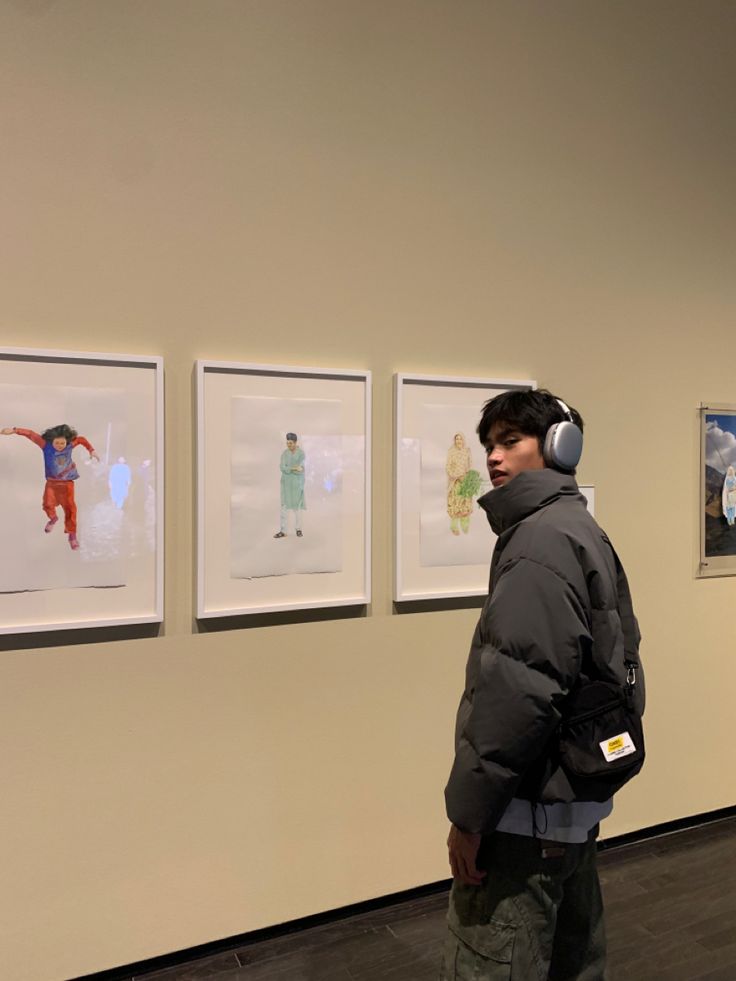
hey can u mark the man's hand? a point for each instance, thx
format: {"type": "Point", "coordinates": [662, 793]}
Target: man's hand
{"type": "Point", "coordinates": [7, 432]}
{"type": "Point", "coordinates": [93, 456]}
{"type": "Point", "coordinates": [463, 851]}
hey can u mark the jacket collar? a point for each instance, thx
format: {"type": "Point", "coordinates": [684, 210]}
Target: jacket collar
{"type": "Point", "coordinates": [527, 492]}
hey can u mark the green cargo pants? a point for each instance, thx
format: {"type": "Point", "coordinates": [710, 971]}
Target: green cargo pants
{"type": "Point", "coordinates": [537, 917]}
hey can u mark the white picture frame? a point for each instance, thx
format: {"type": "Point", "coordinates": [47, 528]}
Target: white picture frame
{"type": "Point", "coordinates": [113, 574]}
{"type": "Point", "coordinates": [436, 556]}
{"type": "Point", "coordinates": [247, 561]}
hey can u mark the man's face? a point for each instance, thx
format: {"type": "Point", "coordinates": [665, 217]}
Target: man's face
{"type": "Point", "coordinates": [59, 443]}
{"type": "Point", "coordinates": [291, 443]}
{"type": "Point", "coordinates": [509, 452]}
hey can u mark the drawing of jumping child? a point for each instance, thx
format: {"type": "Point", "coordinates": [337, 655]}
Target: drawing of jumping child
{"type": "Point", "coordinates": [57, 444]}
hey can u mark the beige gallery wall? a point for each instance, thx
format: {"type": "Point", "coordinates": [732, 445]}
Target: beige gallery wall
{"type": "Point", "coordinates": [465, 187]}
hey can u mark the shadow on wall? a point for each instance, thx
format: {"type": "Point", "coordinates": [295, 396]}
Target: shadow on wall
{"type": "Point", "coordinates": [86, 635]}
{"type": "Point", "coordinates": [209, 625]}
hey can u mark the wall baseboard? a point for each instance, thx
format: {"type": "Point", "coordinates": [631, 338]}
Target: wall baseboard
{"type": "Point", "coordinates": [141, 968]}
{"type": "Point", "coordinates": [668, 828]}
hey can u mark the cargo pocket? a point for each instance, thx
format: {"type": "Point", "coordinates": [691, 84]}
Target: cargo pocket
{"type": "Point", "coordinates": [479, 953]}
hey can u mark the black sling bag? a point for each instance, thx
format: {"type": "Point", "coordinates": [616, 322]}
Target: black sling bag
{"type": "Point", "coordinates": [601, 738]}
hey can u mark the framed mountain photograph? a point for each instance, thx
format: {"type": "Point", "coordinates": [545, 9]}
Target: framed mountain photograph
{"type": "Point", "coordinates": [717, 490]}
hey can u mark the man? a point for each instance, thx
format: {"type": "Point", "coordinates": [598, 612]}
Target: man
{"type": "Point", "coordinates": [526, 902]}
{"type": "Point", "coordinates": [292, 486]}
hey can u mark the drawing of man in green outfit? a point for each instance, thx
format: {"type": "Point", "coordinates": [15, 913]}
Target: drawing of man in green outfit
{"type": "Point", "coordinates": [292, 486]}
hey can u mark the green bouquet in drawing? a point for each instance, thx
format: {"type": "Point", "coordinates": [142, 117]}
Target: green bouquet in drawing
{"type": "Point", "coordinates": [470, 484]}
{"type": "Point", "coordinates": [463, 484]}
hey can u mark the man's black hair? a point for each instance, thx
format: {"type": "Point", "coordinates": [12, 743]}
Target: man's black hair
{"type": "Point", "coordinates": [530, 413]}
{"type": "Point", "coordinates": [58, 431]}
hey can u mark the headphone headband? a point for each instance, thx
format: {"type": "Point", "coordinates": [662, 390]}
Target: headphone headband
{"type": "Point", "coordinates": [564, 408]}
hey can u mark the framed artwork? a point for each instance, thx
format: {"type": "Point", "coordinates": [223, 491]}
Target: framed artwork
{"type": "Point", "coordinates": [283, 488]}
{"type": "Point", "coordinates": [443, 541]}
{"type": "Point", "coordinates": [81, 484]}
{"type": "Point", "coordinates": [717, 490]}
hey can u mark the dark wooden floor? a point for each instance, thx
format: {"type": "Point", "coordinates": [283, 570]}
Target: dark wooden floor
{"type": "Point", "coordinates": [671, 914]}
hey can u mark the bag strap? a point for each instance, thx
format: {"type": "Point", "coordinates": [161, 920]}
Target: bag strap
{"type": "Point", "coordinates": [628, 623]}
{"type": "Point", "coordinates": [626, 612]}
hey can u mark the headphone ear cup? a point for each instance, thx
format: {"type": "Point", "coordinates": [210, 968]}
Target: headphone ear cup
{"type": "Point", "coordinates": [547, 449]}
{"type": "Point", "coordinates": [563, 446]}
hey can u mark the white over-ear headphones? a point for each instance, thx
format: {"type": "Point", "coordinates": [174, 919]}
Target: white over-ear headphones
{"type": "Point", "coordinates": [563, 445]}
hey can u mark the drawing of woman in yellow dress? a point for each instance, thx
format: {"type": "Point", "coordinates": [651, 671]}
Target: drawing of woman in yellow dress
{"type": "Point", "coordinates": [462, 484]}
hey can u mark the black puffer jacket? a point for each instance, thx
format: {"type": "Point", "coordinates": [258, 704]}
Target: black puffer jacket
{"type": "Point", "coordinates": [557, 612]}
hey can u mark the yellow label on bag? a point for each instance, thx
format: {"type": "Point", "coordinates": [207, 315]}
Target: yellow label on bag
{"type": "Point", "coordinates": [617, 746]}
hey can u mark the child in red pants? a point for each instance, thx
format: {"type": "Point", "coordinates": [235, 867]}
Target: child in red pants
{"type": "Point", "coordinates": [61, 472]}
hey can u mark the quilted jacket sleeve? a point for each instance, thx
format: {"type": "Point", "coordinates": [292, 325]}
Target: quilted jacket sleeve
{"type": "Point", "coordinates": [526, 656]}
